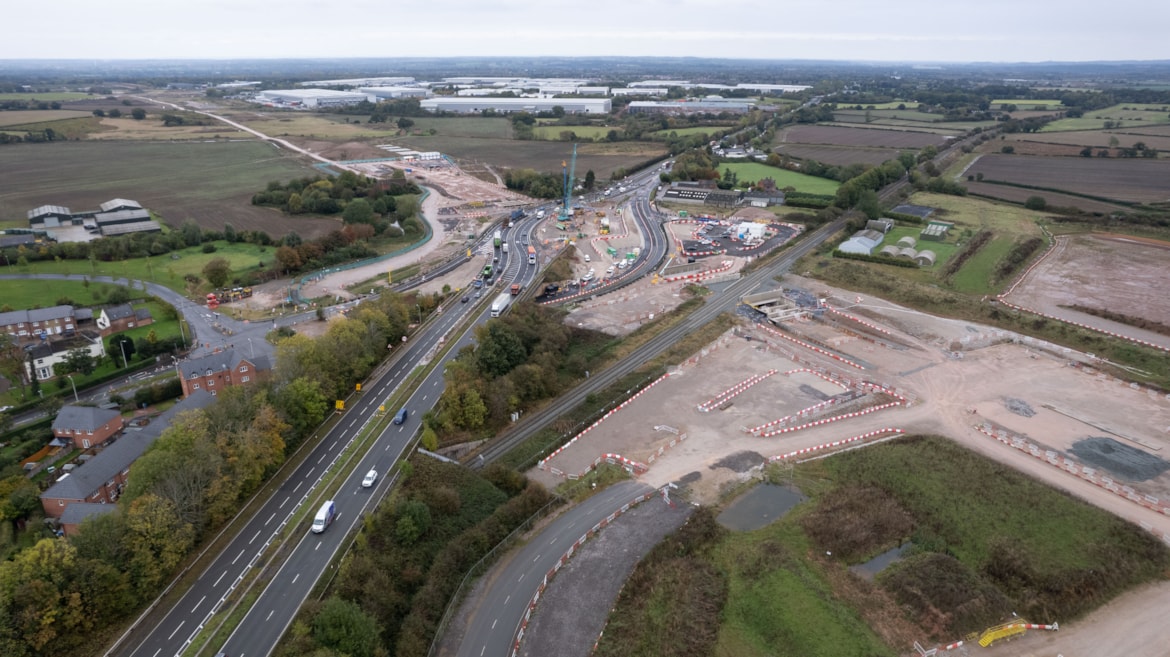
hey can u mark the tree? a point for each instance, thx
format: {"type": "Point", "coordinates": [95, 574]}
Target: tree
{"type": "Point", "coordinates": [138, 113]}
{"type": "Point", "coordinates": [358, 212]}
{"type": "Point", "coordinates": [590, 179]}
{"type": "Point", "coordinates": [115, 113]}
{"type": "Point", "coordinates": [1036, 203]}
{"type": "Point", "coordinates": [302, 404]}
{"type": "Point", "coordinates": [405, 123]}
{"type": "Point", "coordinates": [99, 113]}
{"type": "Point", "coordinates": [1007, 150]}
{"type": "Point", "coordinates": [217, 272]}
{"type": "Point", "coordinates": [77, 360]}
{"type": "Point", "coordinates": [344, 627]}
{"type": "Point", "coordinates": [121, 348]}
{"type": "Point", "coordinates": [157, 539]}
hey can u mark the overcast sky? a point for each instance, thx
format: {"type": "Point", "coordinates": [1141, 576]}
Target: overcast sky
{"type": "Point", "coordinates": [894, 30]}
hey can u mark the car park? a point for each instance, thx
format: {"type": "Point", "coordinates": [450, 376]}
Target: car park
{"type": "Point", "coordinates": [370, 478]}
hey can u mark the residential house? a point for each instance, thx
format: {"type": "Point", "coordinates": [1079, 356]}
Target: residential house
{"type": "Point", "coordinates": [77, 512]}
{"type": "Point", "coordinates": [219, 370]}
{"type": "Point", "coordinates": [38, 324]}
{"type": "Point", "coordinates": [102, 478]}
{"type": "Point", "coordinates": [42, 357]}
{"type": "Point", "coordinates": [87, 426]}
{"type": "Point", "coordinates": [115, 319]}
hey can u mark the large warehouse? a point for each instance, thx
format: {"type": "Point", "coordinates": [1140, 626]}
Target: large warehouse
{"type": "Point", "coordinates": [309, 97]}
{"type": "Point", "coordinates": [505, 105]}
{"type": "Point", "coordinates": [378, 94]}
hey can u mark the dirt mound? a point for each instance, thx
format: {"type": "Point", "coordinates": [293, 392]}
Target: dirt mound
{"type": "Point", "coordinates": [1018, 406]}
{"type": "Point", "coordinates": [739, 461]}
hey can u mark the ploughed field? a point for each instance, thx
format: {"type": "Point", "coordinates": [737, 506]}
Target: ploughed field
{"type": "Point", "coordinates": [838, 155]}
{"type": "Point", "coordinates": [1126, 180]}
{"type": "Point", "coordinates": [841, 136]}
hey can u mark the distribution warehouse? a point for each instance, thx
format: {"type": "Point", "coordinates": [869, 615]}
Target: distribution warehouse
{"type": "Point", "coordinates": [470, 105]}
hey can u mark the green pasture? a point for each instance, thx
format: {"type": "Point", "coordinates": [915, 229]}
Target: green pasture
{"type": "Point", "coordinates": [71, 128]}
{"type": "Point", "coordinates": [1027, 103]}
{"type": "Point", "coordinates": [974, 277]}
{"type": "Point", "coordinates": [25, 294]}
{"type": "Point", "coordinates": [1125, 115]}
{"type": "Point", "coordinates": [754, 172]}
{"type": "Point", "coordinates": [909, 106]}
{"type": "Point", "coordinates": [944, 250]}
{"type": "Point", "coordinates": [167, 269]}
{"type": "Point", "coordinates": [694, 130]}
{"type": "Point", "coordinates": [49, 96]}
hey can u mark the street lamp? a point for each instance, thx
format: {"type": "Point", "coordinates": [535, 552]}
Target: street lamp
{"type": "Point", "coordinates": [122, 346]}
{"type": "Point", "coordinates": [419, 306]}
{"type": "Point", "coordinates": [75, 397]}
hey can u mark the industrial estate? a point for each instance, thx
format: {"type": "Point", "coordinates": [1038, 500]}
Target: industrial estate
{"type": "Point", "coordinates": [665, 363]}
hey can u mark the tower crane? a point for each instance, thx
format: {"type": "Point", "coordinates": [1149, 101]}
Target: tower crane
{"type": "Point", "coordinates": [568, 175]}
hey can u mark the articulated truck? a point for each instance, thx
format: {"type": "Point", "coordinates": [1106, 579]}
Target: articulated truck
{"type": "Point", "coordinates": [501, 304]}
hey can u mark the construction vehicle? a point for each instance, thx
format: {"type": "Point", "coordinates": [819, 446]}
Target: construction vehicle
{"type": "Point", "coordinates": [487, 272]}
{"type": "Point", "coordinates": [531, 255]}
{"type": "Point", "coordinates": [497, 239]}
{"type": "Point", "coordinates": [515, 289]}
{"type": "Point", "coordinates": [605, 225]}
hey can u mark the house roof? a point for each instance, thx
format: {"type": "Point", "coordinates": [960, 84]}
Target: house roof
{"type": "Point", "coordinates": [121, 216]}
{"type": "Point", "coordinates": [36, 315]}
{"type": "Point", "coordinates": [77, 512]}
{"type": "Point", "coordinates": [85, 418]}
{"type": "Point", "coordinates": [109, 230]}
{"type": "Point", "coordinates": [142, 313]}
{"type": "Point", "coordinates": [120, 311]}
{"type": "Point", "coordinates": [83, 481]}
{"type": "Point", "coordinates": [17, 240]}
{"type": "Point", "coordinates": [227, 359]}
{"type": "Point", "coordinates": [114, 204]}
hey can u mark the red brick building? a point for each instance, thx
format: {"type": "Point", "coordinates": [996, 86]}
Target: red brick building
{"type": "Point", "coordinates": [87, 426]}
{"type": "Point", "coordinates": [217, 371]}
{"type": "Point", "coordinates": [116, 319]}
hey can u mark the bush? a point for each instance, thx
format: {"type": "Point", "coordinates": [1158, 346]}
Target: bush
{"type": "Point", "coordinates": [208, 247]}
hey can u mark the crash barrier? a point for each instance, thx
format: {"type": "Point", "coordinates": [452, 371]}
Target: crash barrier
{"type": "Point", "coordinates": [698, 276]}
{"type": "Point", "coordinates": [518, 636]}
{"type": "Point", "coordinates": [854, 318]}
{"type": "Point", "coordinates": [815, 348]}
{"type": "Point", "coordinates": [1009, 630]}
{"type": "Point", "coordinates": [835, 418]}
{"type": "Point", "coordinates": [1090, 475]}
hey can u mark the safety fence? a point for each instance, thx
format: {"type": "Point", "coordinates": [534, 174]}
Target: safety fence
{"type": "Point", "coordinates": [734, 390]}
{"type": "Point", "coordinates": [889, 432]}
{"type": "Point", "coordinates": [701, 275]}
{"type": "Point", "coordinates": [1090, 475]}
{"type": "Point", "coordinates": [548, 577]}
{"type": "Point", "coordinates": [819, 350]}
{"type": "Point", "coordinates": [868, 325]}
{"type": "Point", "coordinates": [829, 420]}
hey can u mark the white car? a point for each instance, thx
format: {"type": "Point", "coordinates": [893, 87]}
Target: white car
{"type": "Point", "coordinates": [371, 477]}
{"type": "Point", "coordinates": [588, 275]}
{"type": "Point", "coordinates": [610, 270]}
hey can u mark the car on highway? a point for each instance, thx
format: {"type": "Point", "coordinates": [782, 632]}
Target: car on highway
{"type": "Point", "coordinates": [370, 478]}
{"type": "Point", "coordinates": [478, 282]}
{"type": "Point", "coordinates": [401, 417]}
{"type": "Point", "coordinates": [478, 293]}
{"type": "Point", "coordinates": [465, 299]}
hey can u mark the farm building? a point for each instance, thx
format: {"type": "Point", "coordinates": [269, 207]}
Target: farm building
{"type": "Point", "coordinates": [908, 242]}
{"type": "Point", "coordinates": [925, 258]}
{"type": "Point", "coordinates": [505, 105]}
{"type": "Point", "coordinates": [116, 204]}
{"type": "Point", "coordinates": [49, 216]}
{"type": "Point", "coordinates": [889, 250]}
{"type": "Point", "coordinates": [863, 242]}
{"type": "Point", "coordinates": [907, 252]}
{"type": "Point", "coordinates": [762, 199]}
{"type": "Point", "coordinates": [309, 98]}
{"type": "Point", "coordinates": [935, 231]}
{"type": "Point", "coordinates": [883, 225]}
{"type": "Point", "coordinates": [120, 222]}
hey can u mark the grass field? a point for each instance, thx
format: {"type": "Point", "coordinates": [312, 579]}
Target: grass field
{"type": "Point", "coordinates": [152, 128]}
{"type": "Point", "coordinates": [1126, 115]}
{"type": "Point", "coordinates": [77, 127]}
{"type": "Point", "coordinates": [943, 250]}
{"type": "Point", "coordinates": [693, 130]}
{"type": "Point", "coordinates": [211, 183]}
{"type": "Point", "coordinates": [345, 127]}
{"type": "Point", "coordinates": [49, 96]}
{"type": "Point", "coordinates": [754, 171]}
{"type": "Point", "coordinates": [602, 157]}
{"type": "Point", "coordinates": [25, 294]}
{"type": "Point", "coordinates": [837, 155]}
{"type": "Point", "coordinates": [907, 105]}
{"type": "Point", "coordinates": [164, 270]}
{"type": "Point", "coordinates": [22, 117]}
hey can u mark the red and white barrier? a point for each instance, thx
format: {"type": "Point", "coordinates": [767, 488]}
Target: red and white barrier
{"type": "Point", "coordinates": [734, 390]}
{"type": "Point", "coordinates": [542, 462]}
{"type": "Point", "coordinates": [815, 348]}
{"type": "Point", "coordinates": [952, 646]}
{"type": "Point", "coordinates": [518, 635]}
{"type": "Point", "coordinates": [836, 443]}
{"type": "Point", "coordinates": [1088, 474]}
{"type": "Point", "coordinates": [854, 318]}
{"type": "Point", "coordinates": [698, 276]}
{"type": "Point", "coordinates": [829, 420]}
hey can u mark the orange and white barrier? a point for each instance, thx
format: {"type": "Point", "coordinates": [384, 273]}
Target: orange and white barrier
{"type": "Point", "coordinates": [734, 390]}
{"type": "Point", "coordinates": [815, 348]}
{"type": "Point", "coordinates": [837, 443]}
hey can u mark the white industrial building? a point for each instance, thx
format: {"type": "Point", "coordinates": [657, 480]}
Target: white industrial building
{"type": "Point", "coordinates": [309, 98]}
{"type": "Point", "coordinates": [463, 105]}
{"type": "Point", "coordinates": [638, 91]}
{"type": "Point", "coordinates": [863, 242]}
{"type": "Point", "coordinates": [707, 106]}
{"type": "Point", "coordinates": [376, 94]}
{"type": "Point", "coordinates": [359, 82]}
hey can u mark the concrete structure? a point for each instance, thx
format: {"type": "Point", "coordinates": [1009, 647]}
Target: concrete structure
{"type": "Point", "coordinates": [377, 94]}
{"type": "Point", "coordinates": [360, 82]}
{"type": "Point", "coordinates": [102, 478]}
{"type": "Point", "coordinates": [506, 105]}
{"type": "Point", "coordinates": [114, 319]}
{"type": "Point", "coordinates": [863, 242]}
{"type": "Point", "coordinates": [639, 91]}
{"type": "Point", "coordinates": [87, 426]}
{"type": "Point", "coordinates": [217, 371]}
{"type": "Point", "coordinates": [749, 231]}
{"type": "Point", "coordinates": [42, 357]}
{"type": "Point", "coordinates": [309, 98]}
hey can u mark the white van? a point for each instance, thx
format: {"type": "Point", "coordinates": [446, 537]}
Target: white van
{"type": "Point", "coordinates": [325, 516]}
{"type": "Point", "coordinates": [587, 258]}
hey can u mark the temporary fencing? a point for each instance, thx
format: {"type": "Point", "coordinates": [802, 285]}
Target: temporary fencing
{"type": "Point", "coordinates": [828, 420]}
{"type": "Point", "coordinates": [815, 348]}
{"type": "Point", "coordinates": [698, 276]}
{"type": "Point", "coordinates": [869, 325]}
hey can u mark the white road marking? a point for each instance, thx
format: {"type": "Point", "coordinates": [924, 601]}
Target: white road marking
{"type": "Point", "coordinates": [350, 424]}
{"type": "Point", "coordinates": [254, 537]}
{"type": "Point", "coordinates": [507, 599]}
{"type": "Point", "coordinates": [335, 442]}
{"type": "Point", "coordinates": [237, 557]}
{"type": "Point", "coordinates": [198, 603]}
{"type": "Point", "coordinates": [270, 612]}
{"type": "Point", "coordinates": [321, 459]}
{"type": "Point", "coordinates": [295, 577]}
{"type": "Point", "coordinates": [217, 580]}
{"type": "Point", "coordinates": [176, 630]}
{"type": "Point", "coordinates": [298, 486]}
{"type": "Point", "coordinates": [269, 519]}
{"type": "Point", "coordinates": [283, 503]}
{"type": "Point", "coordinates": [536, 559]}
{"type": "Point", "coordinates": [494, 623]}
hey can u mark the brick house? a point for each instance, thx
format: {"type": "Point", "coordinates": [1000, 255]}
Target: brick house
{"type": "Point", "coordinates": [115, 319]}
{"type": "Point", "coordinates": [217, 371]}
{"type": "Point", "coordinates": [86, 426]}
{"type": "Point", "coordinates": [77, 512]}
{"type": "Point", "coordinates": [102, 478]}
{"type": "Point", "coordinates": [32, 326]}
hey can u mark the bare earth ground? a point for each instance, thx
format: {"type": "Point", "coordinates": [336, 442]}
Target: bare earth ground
{"type": "Point", "coordinates": [951, 395]}
{"type": "Point", "coordinates": [447, 209]}
{"type": "Point", "coordinates": [1115, 272]}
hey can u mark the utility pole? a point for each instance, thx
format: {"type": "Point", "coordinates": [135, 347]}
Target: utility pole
{"type": "Point", "coordinates": [75, 397]}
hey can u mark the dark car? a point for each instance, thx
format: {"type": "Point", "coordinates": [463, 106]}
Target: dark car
{"type": "Point", "coordinates": [465, 299]}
